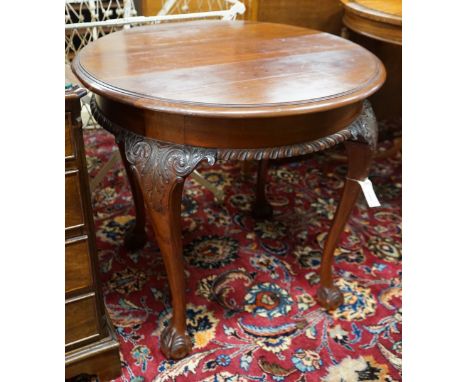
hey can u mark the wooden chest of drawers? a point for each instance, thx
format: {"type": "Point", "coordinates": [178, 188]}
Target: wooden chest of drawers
{"type": "Point", "coordinates": [90, 343]}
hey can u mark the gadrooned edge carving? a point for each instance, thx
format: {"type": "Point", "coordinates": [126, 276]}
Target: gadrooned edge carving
{"type": "Point", "coordinates": [363, 128]}
{"type": "Point", "coordinates": [160, 164]}
{"type": "Point", "coordinates": [285, 151]}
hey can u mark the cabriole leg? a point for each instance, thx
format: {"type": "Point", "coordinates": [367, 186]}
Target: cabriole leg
{"type": "Point", "coordinates": [136, 237]}
{"type": "Point", "coordinates": [161, 169]}
{"type": "Point", "coordinates": [360, 153]}
{"type": "Point", "coordinates": [175, 342]}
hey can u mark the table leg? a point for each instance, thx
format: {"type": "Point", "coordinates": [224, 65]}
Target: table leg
{"type": "Point", "coordinates": [136, 237]}
{"type": "Point", "coordinates": [261, 209]}
{"type": "Point", "coordinates": [359, 159]}
{"type": "Point", "coordinates": [161, 169]}
{"type": "Point", "coordinates": [175, 343]}
{"type": "Point", "coordinates": [360, 150]}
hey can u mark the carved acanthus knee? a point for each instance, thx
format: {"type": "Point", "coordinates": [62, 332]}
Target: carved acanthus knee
{"type": "Point", "coordinates": [160, 165]}
{"type": "Point", "coordinates": [365, 127]}
{"type": "Point", "coordinates": [157, 164]}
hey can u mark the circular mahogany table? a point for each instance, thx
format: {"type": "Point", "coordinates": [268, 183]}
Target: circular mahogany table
{"type": "Point", "coordinates": [378, 19]}
{"type": "Point", "coordinates": [177, 94]}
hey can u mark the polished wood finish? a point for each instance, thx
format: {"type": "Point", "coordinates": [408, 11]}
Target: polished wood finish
{"type": "Point", "coordinates": [73, 209]}
{"type": "Point", "coordinates": [359, 160]}
{"type": "Point", "coordinates": [78, 274]}
{"type": "Point", "coordinates": [98, 358]}
{"type": "Point", "coordinates": [225, 132]}
{"type": "Point", "coordinates": [386, 10]}
{"type": "Point", "coordinates": [89, 338]}
{"type": "Point", "coordinates": [81, 319]}
{"type": "Point", "coordinates": [207, 67]}
{"type": "Point", "coordinates": [378, 19]}
{"type": "Point", "coordinates": [377, 26]}
{"type": "Point", "coordinates": [69, 146]}
{"type": "Point", "coordinates": [175, 95]}
{"type": "Point", "coordinates": [165, 217]}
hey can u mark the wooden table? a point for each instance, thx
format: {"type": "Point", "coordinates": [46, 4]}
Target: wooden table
{"type": "Point", "coordinates": [378, 19]}
{"type": "Point", "coordinates": [177, 94]}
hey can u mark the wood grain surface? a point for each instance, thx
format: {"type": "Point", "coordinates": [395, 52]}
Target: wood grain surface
{"type": "Point", "coordinates": [234, 69]}
{"type": "Point", "coordinates": [378, 19]}
{"type": "Point", "coordinates": [384, 10]}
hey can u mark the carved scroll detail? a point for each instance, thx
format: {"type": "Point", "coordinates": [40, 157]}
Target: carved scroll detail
{"type": "Point", "coordinates": [365, 127]}
{"type": "Point", "coordinates": [158, 164]}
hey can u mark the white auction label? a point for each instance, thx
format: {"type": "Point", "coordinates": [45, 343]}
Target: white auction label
{"type": "Point", "coordinates": [369, 193]}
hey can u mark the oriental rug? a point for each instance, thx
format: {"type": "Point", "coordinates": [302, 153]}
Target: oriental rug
{"type": "Point", "coordinates": [252, 313]}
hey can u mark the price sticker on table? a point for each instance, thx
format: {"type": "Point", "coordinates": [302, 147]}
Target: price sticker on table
{"type": "Point", "coordinates": [369, 193]}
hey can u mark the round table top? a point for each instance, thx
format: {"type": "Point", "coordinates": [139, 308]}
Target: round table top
{"type": "Point", "coordinates": [229, 68]}
{"type": "Point", "coordinates": [387, 11]}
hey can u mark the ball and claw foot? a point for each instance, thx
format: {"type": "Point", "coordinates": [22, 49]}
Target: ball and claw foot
{"type": "Point", "coordinates": [175, 345]}
{"type": "Point", "coordinates": [329, 298]}
{"type": "Point", "coordinates": [262, 211]}
{"type": "Point", "coordinates": [135, 239]}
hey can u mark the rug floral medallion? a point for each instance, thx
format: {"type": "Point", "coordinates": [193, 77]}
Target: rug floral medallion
{"type": "Point", "coordinates": [252, 313]}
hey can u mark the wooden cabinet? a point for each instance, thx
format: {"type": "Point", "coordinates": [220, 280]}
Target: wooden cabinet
{"type": "Point", "coordinates": [91, 346]}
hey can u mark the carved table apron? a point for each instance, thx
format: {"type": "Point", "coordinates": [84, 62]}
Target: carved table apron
{"type": "Point", "coordinates": [311, 97]}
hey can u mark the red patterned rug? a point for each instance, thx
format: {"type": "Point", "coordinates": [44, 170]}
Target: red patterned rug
{"type": "Point", "coordinates": [252, 314]}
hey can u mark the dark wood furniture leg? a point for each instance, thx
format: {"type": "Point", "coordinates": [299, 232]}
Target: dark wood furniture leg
{"type": "Point", "coordinates": [161, 170]}
{"type": "Point", "coordinates": [261, 209]}
{"type": "Point", "coordinates": [136, 237]}
{"type": "Point", "coordinates": [174, 340]}
{"type": "Point", "coordinates": [360, 153]}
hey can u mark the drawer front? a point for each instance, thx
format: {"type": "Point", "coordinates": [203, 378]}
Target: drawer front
{"type": "Point", "coordinates": [77, 265]}
{"type": "Point", "coordinates": [80, 319]}
{"type": "Point", "coordinates": [69, 144]}
{"type": "Point", "coordinates": [73, 208]}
